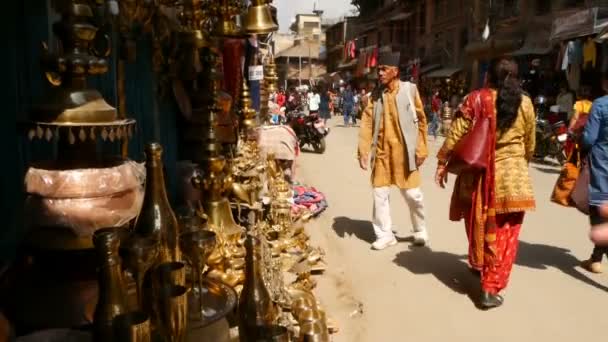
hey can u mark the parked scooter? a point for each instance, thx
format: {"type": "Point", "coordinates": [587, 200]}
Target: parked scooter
{"type": "Point", "coordinates": [310, 130]}
{"type": "Point", "coordinates": [551, 133]}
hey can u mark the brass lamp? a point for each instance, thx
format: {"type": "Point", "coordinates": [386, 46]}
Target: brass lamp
{"type": "Point", "coordinates": [258, 19]}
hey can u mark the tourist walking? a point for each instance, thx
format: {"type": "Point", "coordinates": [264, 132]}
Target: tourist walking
{"type": "Point", "coordinates": [393, 144]}
{"type": "Point", "coordinates": [493, 202]}
{"type": "Point", "coordinates": [595, 141]}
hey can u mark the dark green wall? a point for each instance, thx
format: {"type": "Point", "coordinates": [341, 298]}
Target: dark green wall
{"type": "Point", "coordinates": [27, 26]}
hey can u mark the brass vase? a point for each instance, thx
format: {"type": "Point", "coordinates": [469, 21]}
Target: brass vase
{"type": "Point", "coordinates": [156, 219]}
{"type": "Point", "coordinates": [112, 300]}
{"type": "Point", "coordinates": [256, 309]}
{"type": "Point", "coordinates": [133, 327]}
{"type": "Point", "coordinates": [173, 312]}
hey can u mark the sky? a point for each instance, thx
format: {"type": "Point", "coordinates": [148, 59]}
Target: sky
{"type": "Point", "coordinates": [287, 9]}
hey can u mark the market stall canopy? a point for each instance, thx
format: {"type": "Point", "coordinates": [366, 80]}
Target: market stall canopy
{"type": "Point", "coordinates": [495, 46]}
{"type": "Point", "coordinates": [331, 77]}
{"type": "Point", "coordinates": [443, 72]}
{"type": "Point", "coordinates": [400, 16]}
{"type": "Point", "coordinates": [580, 24]}
{"type": "Point", "coordinates": [348, 65]}
{"type": "Point", "coordinates": [430, 67]}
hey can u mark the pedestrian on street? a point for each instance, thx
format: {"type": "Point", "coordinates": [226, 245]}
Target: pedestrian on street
{"type": "Point", "coordinates": [435, 110]}
{"type": "Point", "coordinates": [348, 104]}
{"type": "Point", "coordinates": [493, 202]}
{"type": "Point", "coordinates": [393, 144]}
{"type": "Point", "coordinates": [324, 105]}
{"type": "Point", "coordinates": [595, 141]}
{"type": "Point", "coordinates": [599, 233]}
{"type": "Point", "coordinates": [314, 99]}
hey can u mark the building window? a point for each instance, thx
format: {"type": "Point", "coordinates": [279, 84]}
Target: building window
{"type": "Point", "coordinates": [422, 19]}
{"type": "Point", "coordinates": [439, 7]}
{"type": "Point", "coordinates": [572, 3]}
{"type": "Point", "coordinates": [311, 25]}
{"type": "Point", "coordinates": [543, 7]}
{"type": "Point", "coordinates": [505, 8]}
{"type": "Point", "coordinates": [464, 37]}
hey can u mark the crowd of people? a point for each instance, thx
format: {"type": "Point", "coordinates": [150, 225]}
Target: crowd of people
{"type": "Point", "coordinates": [323, 101]}
{"type": "Point", "coordinates": [488, 146]}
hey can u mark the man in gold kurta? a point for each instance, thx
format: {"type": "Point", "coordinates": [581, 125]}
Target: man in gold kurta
{"type": "Point", "coordinates": [393, 136]}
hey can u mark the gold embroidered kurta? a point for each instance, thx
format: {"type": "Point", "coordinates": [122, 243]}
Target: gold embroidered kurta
{"type": "Point", "coordinates": [391, 165]}
{"type": "Point", "coordinates": [514, 149]}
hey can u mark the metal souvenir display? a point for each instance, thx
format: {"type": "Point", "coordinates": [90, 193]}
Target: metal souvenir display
{"type": "Point", "coordinates": [273, 262]}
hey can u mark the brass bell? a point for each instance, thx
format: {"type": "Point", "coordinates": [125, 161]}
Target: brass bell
{"type": "Point", "coordinates": [258, 19]}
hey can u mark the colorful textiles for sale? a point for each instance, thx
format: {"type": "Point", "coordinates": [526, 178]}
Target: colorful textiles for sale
{"type": "Point", "coordinates": [308, 198]}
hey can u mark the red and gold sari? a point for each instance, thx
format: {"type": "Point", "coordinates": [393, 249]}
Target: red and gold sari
{"type": "Point", "coordinates": [493, 203]}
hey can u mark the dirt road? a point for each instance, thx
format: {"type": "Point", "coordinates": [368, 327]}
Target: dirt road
{"type": "Point", "coordinates": [406, 293]}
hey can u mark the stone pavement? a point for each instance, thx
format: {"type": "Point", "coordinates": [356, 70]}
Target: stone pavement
{"type": "Point", "coordinates": [406, 293]}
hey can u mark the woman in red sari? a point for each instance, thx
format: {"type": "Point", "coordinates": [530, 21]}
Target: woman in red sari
{"type": "Point", "coordinates": [493, 202]}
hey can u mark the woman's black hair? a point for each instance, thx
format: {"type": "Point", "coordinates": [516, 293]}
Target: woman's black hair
{"type": "Point", "coordinates": [502, 75]}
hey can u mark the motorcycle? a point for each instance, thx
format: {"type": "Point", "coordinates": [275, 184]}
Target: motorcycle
{"type": "Point", "coordinates": [309, 129]}
{"type": "Point", "coordinates": [551, 133]}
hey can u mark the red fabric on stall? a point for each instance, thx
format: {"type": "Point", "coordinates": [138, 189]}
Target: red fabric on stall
{"type": "Point", "coordinates": [233, 51]}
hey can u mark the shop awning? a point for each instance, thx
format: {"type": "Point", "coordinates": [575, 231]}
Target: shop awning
{"type": "Point", "coordinates": [400, 16]}
{"type": "Point", "coordinates": [493, 47]}
{"type": "Point", "coordinates": [443, 72]}
{"type": "Point", "coordinates": [580, 24]}
{"type": "Point", "coordinates": [428, 68]}
{"type": "Point", "coordinates": [348, 65]}
{"type": "Point", "coordinates": [331, 77]}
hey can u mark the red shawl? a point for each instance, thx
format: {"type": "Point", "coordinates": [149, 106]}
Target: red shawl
{"type": "Point", "coordinates": [481, 220]}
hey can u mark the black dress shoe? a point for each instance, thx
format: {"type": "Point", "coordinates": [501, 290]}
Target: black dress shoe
{"type": "Point", "coordinates": [489, 301]}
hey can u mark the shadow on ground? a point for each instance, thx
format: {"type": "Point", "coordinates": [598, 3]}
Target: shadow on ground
{"type": "Point", "coordinates": [453, 272]}
{"type": "Point", "coordinates": [542, 257]}
{"type": "Point", "coordinates": [363, 230]}
{"type": "Point", "coordinates": [450, 269]}
{"type": "Point", "coordinates": [548, 170]}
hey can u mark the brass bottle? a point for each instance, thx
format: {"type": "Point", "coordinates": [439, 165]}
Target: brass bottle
{"type": "Point", "coordinates": [256, 309]}
{"type": "Point", "coordinates": [112, 300]}
{"type": "Point", "coordinates": [157, 219]}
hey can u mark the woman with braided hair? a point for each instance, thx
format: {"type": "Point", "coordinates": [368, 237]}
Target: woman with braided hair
{"type": "Point", "coordinates": [493, 202]}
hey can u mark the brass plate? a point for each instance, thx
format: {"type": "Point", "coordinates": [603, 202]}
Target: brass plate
{"type": "Point", "coordinates": [219, 300]}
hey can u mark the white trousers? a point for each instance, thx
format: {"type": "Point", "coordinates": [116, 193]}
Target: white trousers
{"type": "Point", "coordinates": [382, 222]}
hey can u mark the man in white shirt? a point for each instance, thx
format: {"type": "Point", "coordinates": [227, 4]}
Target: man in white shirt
{"type": "Point", "coordinates": [313, 102]}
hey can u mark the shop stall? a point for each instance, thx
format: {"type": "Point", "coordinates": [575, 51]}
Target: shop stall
{"type": "Point", "coordinates": [115, 249]}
